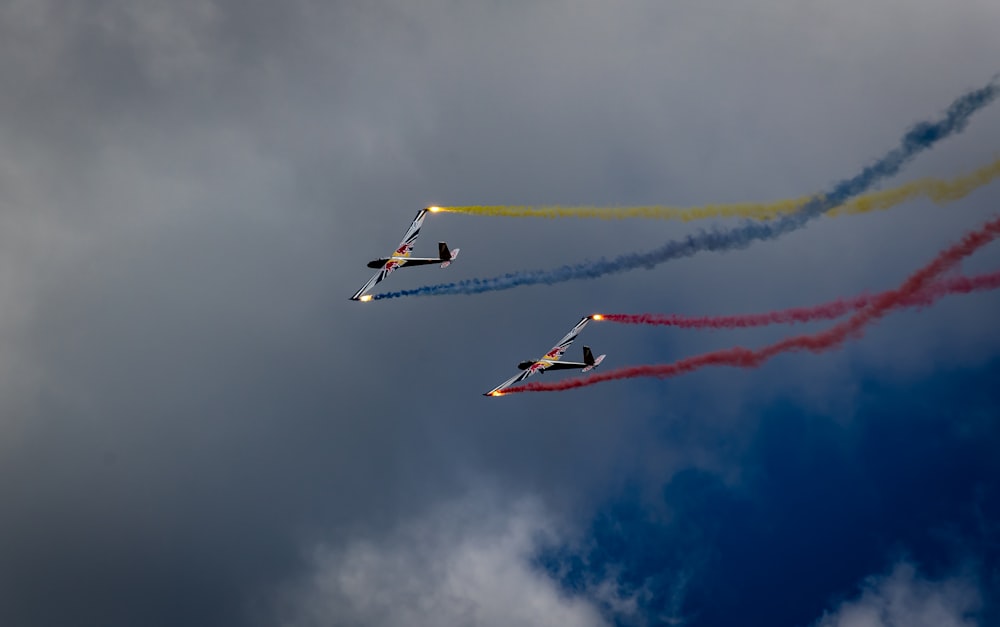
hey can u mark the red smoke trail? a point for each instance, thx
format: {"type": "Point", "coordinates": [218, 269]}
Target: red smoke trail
{"type": "Point", "coordinates": [826, 311]}
{"type": "Point", "coordinates": [824, 340]}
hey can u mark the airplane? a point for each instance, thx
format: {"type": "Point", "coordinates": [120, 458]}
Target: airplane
{"type": "Point", "coordinates": [551, 359]}
{"type": "Point", "coordinates": [401, 256]}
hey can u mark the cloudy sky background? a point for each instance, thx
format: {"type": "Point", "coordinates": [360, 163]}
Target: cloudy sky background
{"type": "Point", "coordinates": [197, 427]}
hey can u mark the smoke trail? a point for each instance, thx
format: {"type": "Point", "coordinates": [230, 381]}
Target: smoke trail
{"type": "Point", "coordinates": [826, 311]}
{"type": "Point", "coordinates": [920, 137]}
{"type": "Point", "coordinates": [852, 327]}
{"type": "Point", "coordinates": [938, 190]}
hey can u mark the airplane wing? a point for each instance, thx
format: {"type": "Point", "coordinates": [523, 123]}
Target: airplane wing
{"type": "Point", "coordinates": [560, 348]}
{"type": "Point", "coordinates": [410, 238]}
{"type": "Point", "coordinates": [546, 361]}
{"type": "Point", "coordinates": [397, 259]}
{"type": "Point", "coordinates": [363, 294]}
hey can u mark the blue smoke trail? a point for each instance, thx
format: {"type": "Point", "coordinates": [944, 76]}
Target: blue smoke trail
{"type": "Point", "coordinates": [919, 138]}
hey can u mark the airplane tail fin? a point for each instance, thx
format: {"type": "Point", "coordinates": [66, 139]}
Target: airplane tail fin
{"type": "Point", "coordinates": [588, 358]}
{"type": "Point", "coordinates": [377, 263]}
{"type": "Point", "coordinates": [446, 256]}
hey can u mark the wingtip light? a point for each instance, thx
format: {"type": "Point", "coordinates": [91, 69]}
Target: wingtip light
{"type": "Point", "coordinates": [365, 298]}
{"type": "Point", "coordinates": [434, 209]}
{"type": "Point", "coordinates": [597, 317]}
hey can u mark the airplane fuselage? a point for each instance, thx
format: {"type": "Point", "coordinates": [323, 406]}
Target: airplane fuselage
{"type": "Point", "coordinates": [537, 365]}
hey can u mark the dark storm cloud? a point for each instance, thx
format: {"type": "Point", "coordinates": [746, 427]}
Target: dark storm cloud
{"type": "Point", "coordinates": [190, 192]}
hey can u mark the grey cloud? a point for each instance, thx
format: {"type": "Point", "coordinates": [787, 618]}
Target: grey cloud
{"type": "Point", "coordinates": [904, 597]}
{"type": "Point", "coordinates": [467, 562]}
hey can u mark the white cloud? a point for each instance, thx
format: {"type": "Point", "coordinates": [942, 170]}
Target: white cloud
{"type": "Point", "coordinates": [466, 563]}
{"type": "Point", "coordinates": [905, 599]}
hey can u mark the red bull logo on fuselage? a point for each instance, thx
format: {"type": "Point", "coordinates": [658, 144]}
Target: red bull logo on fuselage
{"type": "Point", "coordinates": [392, 265]}
{"type": "Point", "coordinates": [404, 250]}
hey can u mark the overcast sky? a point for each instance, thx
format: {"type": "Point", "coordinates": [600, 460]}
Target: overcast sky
{"type": "Point", "coordinates": [197, 427]}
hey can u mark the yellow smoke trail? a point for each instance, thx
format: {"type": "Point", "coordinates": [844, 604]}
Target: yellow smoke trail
{"type": "Point", "coordinates": [938, 191]}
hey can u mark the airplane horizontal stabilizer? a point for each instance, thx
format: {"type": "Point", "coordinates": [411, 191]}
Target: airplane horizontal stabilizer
{"type": "Point", "coordinates": [597, 362]}
{"type": "Point", "coordinates": [446, 256]}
